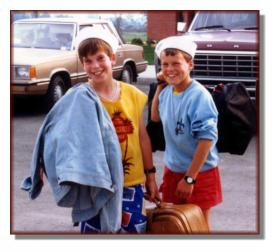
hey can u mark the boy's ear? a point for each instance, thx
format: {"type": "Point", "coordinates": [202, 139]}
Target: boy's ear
{"type": "Point", "coordinates": [113, 59]}
{"type": "Point", "coordinates": [191, 64]}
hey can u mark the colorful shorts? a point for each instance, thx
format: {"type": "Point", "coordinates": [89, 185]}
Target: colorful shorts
{"type": "Point", "coordinates": [133, 213]}
{"type": "Point", "coordinates": [206, 192]}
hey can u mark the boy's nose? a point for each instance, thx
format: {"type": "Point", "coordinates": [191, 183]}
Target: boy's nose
{"type": "Point", "coordinates": [94, 64]}
{"type": "Point", "coordinates": [171, 66]}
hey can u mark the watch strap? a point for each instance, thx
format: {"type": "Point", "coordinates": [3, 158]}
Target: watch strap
{"type": "Point", "coordinates": [152, 170]}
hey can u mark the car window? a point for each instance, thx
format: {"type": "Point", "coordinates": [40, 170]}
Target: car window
{"type": "Point", "coordinates": [43, 35]}
{"type": "Point", "coordinates": [104, 26]}
{"type": "Point", "coordinates": [228, 20]}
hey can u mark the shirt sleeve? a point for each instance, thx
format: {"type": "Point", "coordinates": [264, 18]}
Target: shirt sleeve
{"type": "Point", "coordinates": [203, 117]}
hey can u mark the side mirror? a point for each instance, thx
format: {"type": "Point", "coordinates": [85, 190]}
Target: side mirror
{"type": "Point", "coordinates": [181, 27]}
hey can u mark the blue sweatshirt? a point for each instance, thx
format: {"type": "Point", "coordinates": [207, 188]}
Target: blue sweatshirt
{"type": "Point", "coordinates": [188, 117]}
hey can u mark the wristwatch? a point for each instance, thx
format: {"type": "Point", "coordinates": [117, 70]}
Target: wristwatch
{"type": "Point", "coordinates": [189, 180]}
{"type": "Point", "coordinates": [152, 170]}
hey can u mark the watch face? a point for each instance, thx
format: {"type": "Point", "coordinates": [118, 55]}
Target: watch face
{"type": "Point", "coordinates": [190, 180]}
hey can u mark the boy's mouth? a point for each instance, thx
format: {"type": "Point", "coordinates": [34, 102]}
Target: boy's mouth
{"type": "Point", "coordinates": [98, 73]}
{"type": "Point", "coordinates": [172, 76]}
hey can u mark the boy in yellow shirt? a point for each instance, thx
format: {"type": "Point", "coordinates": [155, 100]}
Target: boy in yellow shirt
{"type": "Point", "coordinates": [125, 104]}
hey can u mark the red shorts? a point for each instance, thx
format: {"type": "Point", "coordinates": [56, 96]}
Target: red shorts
{"type": "Point", "coordinates": [206, 192]}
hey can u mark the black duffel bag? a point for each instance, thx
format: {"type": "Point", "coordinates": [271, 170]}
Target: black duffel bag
{"type": "Point", "coordinates": [236, 117]}
{"type": "Point", "coordinates": [154, 129]}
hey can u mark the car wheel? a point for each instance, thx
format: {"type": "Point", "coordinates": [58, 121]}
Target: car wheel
{"type": "Point", "coordinates": [56, 90]}
{"type": "Point", "coordinates": [127, 74]}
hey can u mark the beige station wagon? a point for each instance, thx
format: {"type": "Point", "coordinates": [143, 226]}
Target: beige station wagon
{"type": "Point", "coordinates": [45, 62]}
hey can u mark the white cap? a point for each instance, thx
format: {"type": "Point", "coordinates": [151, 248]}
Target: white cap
{"type": "Point", "coordinates": [93, 32]}
{"type": "Point", "coordinates": [182, 43]}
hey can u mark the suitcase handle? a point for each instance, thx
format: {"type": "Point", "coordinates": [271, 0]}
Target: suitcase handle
{"type": "Point", "coordinates": [156, 201]}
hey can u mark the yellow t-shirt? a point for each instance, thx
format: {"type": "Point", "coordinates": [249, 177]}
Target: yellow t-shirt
{"type": "Point", "coordinates": [125, 114]}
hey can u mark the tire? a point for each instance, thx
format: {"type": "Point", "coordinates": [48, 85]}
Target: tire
{"type": "Point", "coordinates": [56, 90]}
{"type": "Point", "coordinates": [127, 74]}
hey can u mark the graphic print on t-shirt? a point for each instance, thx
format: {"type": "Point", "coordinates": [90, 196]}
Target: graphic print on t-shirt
{"type": "Point", "coordinates": [179, 127]}
{"type": "Point", "coordinates": [123, 127]}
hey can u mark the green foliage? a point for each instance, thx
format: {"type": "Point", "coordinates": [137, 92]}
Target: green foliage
{"type": "Point", "coordinates": [137, 41]}
{"type": "Point", "coordinates": [149, 54]}
{"type": "Point", "coordinates": [148, 45]}
{"type": "Point", "coordinates": [151, 42]}
{"type": "Point", "coordinates": [128, 36]}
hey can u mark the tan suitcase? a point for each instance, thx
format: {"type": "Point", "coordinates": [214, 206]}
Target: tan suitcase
{"type": "Point", "coordinates": [168, 218]}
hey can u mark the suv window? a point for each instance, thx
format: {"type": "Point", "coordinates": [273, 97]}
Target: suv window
{"type": "Point", "coordinates": [232, 21]}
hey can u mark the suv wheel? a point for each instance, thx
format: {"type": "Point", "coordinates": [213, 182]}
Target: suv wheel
{"type": "Point", "coordinates": [127, 74]}
{"type": "Point", "coordinates": [56, 91]}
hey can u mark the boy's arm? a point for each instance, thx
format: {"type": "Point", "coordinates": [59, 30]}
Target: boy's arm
{"type": "Point", "coordinates": [145, 146]}
{"type": "Point", "coordinates": [155, 116]}
{"type": "Point", "coordinates": [184, 189]}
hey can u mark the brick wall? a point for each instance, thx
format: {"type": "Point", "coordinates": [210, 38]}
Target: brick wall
{"type": "Point", "coordinates": [162, 24]}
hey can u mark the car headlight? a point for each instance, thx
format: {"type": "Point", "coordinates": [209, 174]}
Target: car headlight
{"type": "Point", "coordinates": [24, 72]}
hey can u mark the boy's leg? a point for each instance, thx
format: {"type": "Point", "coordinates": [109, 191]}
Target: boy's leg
{"type": "Point", "coordinates": [133, 212]}
{"type": "Point", "coordinates": [206, 213]}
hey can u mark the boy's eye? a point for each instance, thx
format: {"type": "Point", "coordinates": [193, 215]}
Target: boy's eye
{"type": "Point", "coordinates": [87, 61]}
{"type": "Point", "coordinates": [176, 64]}
{"type": "Point", "coordinates": [101, 58]}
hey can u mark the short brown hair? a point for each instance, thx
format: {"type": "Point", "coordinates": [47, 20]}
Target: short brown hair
{"type": "Point", "coordinates": [92, 46]}
{"type": "Point", "coordinates": [173, 52]}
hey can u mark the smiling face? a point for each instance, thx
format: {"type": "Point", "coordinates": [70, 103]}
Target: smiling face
{"type": "Point", "coordinates": [97, 58]}
{"type": "Point", "coordinates": [176, 67]}
{"type": "Point", "coordinates": [98, 67]}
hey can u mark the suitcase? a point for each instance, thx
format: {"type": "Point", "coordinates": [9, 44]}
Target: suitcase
{"type": "Point", "coordinates": [168, 218]}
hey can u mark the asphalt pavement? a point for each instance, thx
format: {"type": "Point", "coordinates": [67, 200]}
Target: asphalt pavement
{"type": "Point", "coordinates": [238, 214]}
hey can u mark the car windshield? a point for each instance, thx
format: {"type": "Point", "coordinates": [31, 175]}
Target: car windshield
{"type": "Point", "coordinates": [225, 21]}
{"type": "Point", "coordinates": [43, 35]}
